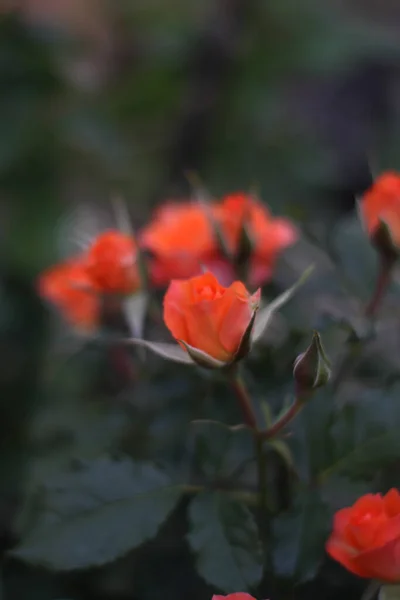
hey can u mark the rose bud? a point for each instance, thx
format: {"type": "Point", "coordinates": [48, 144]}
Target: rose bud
{"type": "Point", "coordinates": [366, 537]}
{"type": "Point", "coordinates": [211, 322]}
{"type": "Point", "coordinates": [380, 212]}
{"type": "Point", "coordinates": [253, 237]}
{"type": "Point", "coordinates": [311, 369]}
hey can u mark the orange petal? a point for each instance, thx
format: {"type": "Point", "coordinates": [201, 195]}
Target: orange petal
{"type": "Point", "coordinates": [111, 263]}
{"type": "Point", "coordinates": [381, 563]}
{"type": "Point", "coordinates": [341, 520]}
{"type": "Point", "coordinates": [391, 503]}
{"type": "Point", "coordinates": [235, 596]}
{"type": "Point", "coordinates": [343, 554]}
{"type": "Point", "coordinates": [240, 307]}
{"type": "Point", "coordinates": [202, 321]}
{"type": "Point", "coordinates": [369, 503]}
{"type": "Point", "coordinates": [175, 302]}
{"type": "Point", "coordinates": [68, 287]}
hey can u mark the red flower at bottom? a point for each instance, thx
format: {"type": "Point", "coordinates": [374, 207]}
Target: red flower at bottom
{"type": "Point", "coordinates": [68, 286]}
{"type": "Point", "coordinates": [235, 596]}
{"type": "Point", "coordinates": [366, 537]}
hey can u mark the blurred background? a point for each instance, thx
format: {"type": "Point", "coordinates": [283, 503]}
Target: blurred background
{"type": "Point", "coordinates": [300, 98]}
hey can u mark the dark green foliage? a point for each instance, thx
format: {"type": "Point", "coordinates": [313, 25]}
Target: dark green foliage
{"type": "Point", "coordinates": [95, 514]}
{"type": "Point", "coordinates": [145, 485]}
{"type": "Point", "coordinates": [224, 538]}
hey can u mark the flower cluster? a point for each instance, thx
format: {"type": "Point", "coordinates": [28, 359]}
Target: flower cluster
{"type": "Point", "coordinates": [214, 319]}
{"type": "Point", "coordinates": [183, 238]}
{"type": "Point", "coordinates": [75, 287]}
{"type": "Point", "coordinates": [181, 242]}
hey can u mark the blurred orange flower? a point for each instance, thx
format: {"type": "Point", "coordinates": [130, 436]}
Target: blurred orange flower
{"type": "Point", "coordinates": [111, 263]}
{"type": "Point", "coordinates": [382, 203]}
{"type": "Point", "coordinates": [180, 238]}
{"type": "Point", "coordinates": [204, 316]}
{"type": "Point", "coordinates": [366, 537]}
{"type": "Point", "coordinates": [268, 236]}
{"type": "Point", "coordinates": [68, 287]}
{"type": "Point", "coordinates": [235, 596]}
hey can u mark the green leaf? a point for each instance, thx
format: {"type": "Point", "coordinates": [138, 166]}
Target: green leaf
{"type": "Point", "coordinates": [202, 358]}
{"type": "Point", "coordinates": [135, 308]}
{"type": "Point", "coordinates": [339, 491]}
{"type": "Point", "coordinates": [92, 515]}
{"type": "Point", "coordinates": [299, 537]}
{"type": "Point", "coordinates": [310, 438]}
{"type": "Point", "coordinates": [283, 450]}
{"type": "Point", "coordinates": [265, 314]}
{"type": "Point", "coordinates": [389, 592]}
{"type": "Point", "coordinates": [224, 537]}
{"type": "Point", "coordinates": [121, 214]}
{"type": "Point", "coordinates": [357, 256]}
{"type": "Point", "coordinates": [170, 351]}
{"type": "Point", "coordinates": [218, 449]}
{"type": "Point", "coordinates": [365, 436]}
{"type": "Point", "coordinates": [354, 441]}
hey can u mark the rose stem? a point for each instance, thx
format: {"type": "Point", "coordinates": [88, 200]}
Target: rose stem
{"type": "Point", "coordinates": [381, 288]}
{"type": "Point", "coordinates": [371, 309]}
{"type": "Point", "coordinates": [244, 401]}
{"type": "Point", "coordinates": [250, 419]}
{"type": "Point", "coordinates": [287, 416]}
{"type": "Point", "coordinates": [260, 436]}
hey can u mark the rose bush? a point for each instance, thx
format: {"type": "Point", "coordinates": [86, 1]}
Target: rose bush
{"type": "Point", "coordinates": [215, 321]}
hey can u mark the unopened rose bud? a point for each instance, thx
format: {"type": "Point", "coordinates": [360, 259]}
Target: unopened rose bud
{"type": "Point", "coordinates": [312, 368]}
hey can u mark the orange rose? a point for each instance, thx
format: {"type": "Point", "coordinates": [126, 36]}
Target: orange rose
{"type": "Point", "coordinates": [381, 203]}
{"type": "Point", "coordinates": [111, 263]}
{"type": "Point", "coordinates": [366, 537]}
{"type": "Point", "coordinates": [180, 239]}
{"type": "Point", "coordinates": [268, 235]}
{"type": "Point", "coordinates": [68, 286]}
{"type": "Point", "coordinates": [209, 320]}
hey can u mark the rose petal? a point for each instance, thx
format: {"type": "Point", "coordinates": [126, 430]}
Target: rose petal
{"type": "Point", "coordinates": [345, 555]}
{"type": "Point", "coordinates": [381, 563]}
{"type": "Point", "coordinates": [235, 596]}
{"type": "Point", "coordinates": [175, 299]}
{"type": "Point", "coordinates": [391, 503]}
